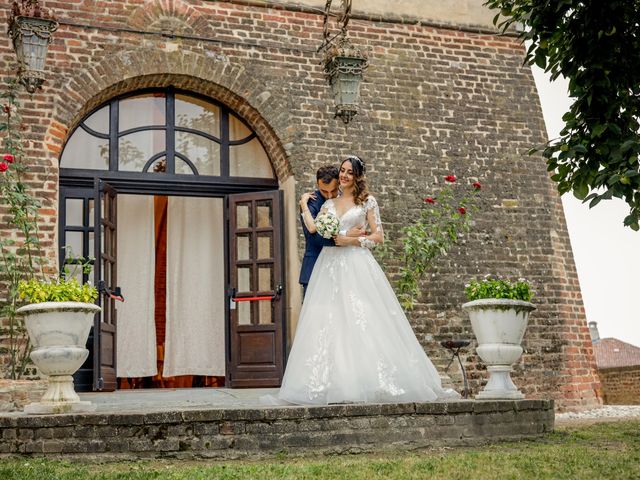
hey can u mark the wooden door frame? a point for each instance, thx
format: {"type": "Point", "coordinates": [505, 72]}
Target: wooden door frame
{"type": "Point", "coordinates": [106, 213]}
{"type": "Point", "coordinates": [75, 183]}
{"type": "Point", "coordinates": [83, 378]}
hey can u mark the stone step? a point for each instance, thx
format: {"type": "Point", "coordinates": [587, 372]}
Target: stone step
{"type": "Point", "coordinates": [254, 432]}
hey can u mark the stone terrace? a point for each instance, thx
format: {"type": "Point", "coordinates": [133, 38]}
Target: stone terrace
{"type": "Point", "coordinates": [232, 424]}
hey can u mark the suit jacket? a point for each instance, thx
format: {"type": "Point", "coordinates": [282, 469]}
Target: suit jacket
{"type": "Point", "coordinates": [313, 241]}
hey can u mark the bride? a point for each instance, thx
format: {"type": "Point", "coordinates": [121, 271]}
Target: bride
{"type": "Point", "coordinates": [353, 342]}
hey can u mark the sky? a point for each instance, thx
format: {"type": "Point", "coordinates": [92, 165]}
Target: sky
{"type": "Point", "coordinates": [606, 253]}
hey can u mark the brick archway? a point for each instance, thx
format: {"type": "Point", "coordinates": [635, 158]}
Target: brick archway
{"type": "Point", "coordinates": [265, 110]}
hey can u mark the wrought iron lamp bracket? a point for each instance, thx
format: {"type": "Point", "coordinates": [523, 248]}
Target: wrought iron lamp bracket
{"type": "Point", "coordinates": [342, 19]}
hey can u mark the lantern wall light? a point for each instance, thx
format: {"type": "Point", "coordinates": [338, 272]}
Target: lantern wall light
{"type": "Point", "coordinates": [343, 63]}
{"type": "Point", "coordinates": [30, 29]}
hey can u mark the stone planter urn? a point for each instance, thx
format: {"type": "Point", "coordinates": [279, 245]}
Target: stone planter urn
{"type": "Point", "coordinates": [499, 326]}
{"type": "Point", "coordinates": [58, 332]}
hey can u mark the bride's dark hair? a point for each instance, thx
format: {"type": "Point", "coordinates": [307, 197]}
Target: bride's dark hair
{"type": "Point", "coordinates": [361, 191]}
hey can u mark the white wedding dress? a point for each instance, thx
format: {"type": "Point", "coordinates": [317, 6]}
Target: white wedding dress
{"type": "Point", "coordinates": [353, 342]}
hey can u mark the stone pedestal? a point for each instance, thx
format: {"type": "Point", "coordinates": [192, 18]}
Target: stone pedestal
{"type": "Point", "coordinates": [499, 326]}
{"type": "Point", "coordinates": [58, 332]}
{"type": "Point", "coordinates": [500, 385]}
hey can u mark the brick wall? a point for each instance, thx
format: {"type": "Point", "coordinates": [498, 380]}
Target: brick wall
{"type": "Point", "coordinates": [621, 386]}
{"type": "Point", "coordinates": [15, 394]}
{"type": "Point", "coordinates": [435, 100]}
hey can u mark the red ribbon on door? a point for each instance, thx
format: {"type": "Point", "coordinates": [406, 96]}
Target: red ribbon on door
{"type": "Point", "coordinates": [253, 299]}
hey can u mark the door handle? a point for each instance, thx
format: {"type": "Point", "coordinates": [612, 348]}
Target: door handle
{"type": "Point", "coordinates": [233, 299]}
{"type": "Point", "coordinates": [115, 294]}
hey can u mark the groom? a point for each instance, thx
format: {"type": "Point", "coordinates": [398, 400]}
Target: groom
{"type": "Point", "coordinates": [327, 187]}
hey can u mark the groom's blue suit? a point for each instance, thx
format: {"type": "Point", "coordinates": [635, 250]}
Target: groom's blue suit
{"type": "Point", "coordinates": [314, 241]}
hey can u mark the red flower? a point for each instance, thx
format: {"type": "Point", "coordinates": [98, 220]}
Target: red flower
{"type": "Point", "coordinates": [477, 185]}
{"type": "Point", "coordinates": [450, 178]}
{"type": "Point", "coordinates": [430, 200]}
{"type": "Point", "coordinates": [7, 157]}
{"type": "Point", "coordinates": [6, 108]}
{"type": "Point", "coordinates": [4, 167]}
{"type": "Point", "coordinates": [462, 210]}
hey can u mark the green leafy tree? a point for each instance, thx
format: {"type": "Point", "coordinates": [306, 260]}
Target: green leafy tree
{"type": "Point", "coordinates": [596, 46]}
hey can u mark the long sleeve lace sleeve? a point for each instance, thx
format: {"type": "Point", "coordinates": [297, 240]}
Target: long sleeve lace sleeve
{"type": "Point", "coordinates": [372, 212]}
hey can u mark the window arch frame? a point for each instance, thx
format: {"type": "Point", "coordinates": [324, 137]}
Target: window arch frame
{"type": "Point", "coordinates": [169, 183]}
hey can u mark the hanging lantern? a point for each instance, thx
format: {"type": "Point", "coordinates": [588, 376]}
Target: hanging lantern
{"type": "Point", "coordinates": [344, 65]}
{"type": "Point", "coordinates": [30, 31]}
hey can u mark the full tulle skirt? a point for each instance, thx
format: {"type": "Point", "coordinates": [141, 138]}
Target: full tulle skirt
{"type": "Point", "coordinates": [353, 342]}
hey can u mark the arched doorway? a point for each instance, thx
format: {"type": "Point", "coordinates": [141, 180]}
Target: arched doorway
{"type": "Point", "coordinates": [169, 163]}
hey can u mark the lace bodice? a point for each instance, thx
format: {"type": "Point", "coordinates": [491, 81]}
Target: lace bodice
{"type": "Point", "coordinates": [356, 216]}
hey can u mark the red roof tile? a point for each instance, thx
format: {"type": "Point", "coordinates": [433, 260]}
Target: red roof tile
{"type": "Point", "coordinates": [611, 353]}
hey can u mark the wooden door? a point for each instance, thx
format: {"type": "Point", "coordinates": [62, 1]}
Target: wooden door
{"type": "Point", "coordinates": [105, 271]}
{"type": "Point", "coordinates": [256, 320]}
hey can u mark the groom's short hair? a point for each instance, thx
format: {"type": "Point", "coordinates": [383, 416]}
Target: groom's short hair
{"type": "Point", "coordinates": [327, 173]}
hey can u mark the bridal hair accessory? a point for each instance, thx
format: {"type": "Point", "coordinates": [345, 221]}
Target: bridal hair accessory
{"type": "Point", "coordinates": [357, 163]}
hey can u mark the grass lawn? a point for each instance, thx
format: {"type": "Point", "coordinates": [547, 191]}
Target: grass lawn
{"type": "Point", "coordinates": [609, 450]}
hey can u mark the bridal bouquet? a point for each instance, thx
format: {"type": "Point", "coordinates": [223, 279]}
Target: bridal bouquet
{"type": "Point", "coordinates": [327, 225]}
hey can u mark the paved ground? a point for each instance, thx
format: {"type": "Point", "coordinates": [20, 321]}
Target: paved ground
{"type": "Point", "coordinates": [132, 401]}
{"type": "Point", "coordinates": [164, 400]}
{"type": "Point", "coordinates": [606, 413]}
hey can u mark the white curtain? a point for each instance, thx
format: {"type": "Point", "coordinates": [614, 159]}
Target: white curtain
{"type": "Point", "coordinates": [194, 343]}
{"type": "Point", "coordinates": [136, 334]}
